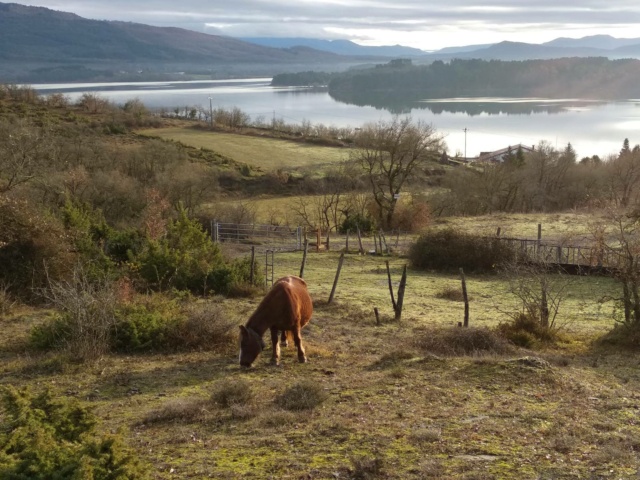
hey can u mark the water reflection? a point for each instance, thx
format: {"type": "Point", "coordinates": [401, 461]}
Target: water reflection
{"type": "Point", "coordinates": [398, 103]}
{"type": "Point", "coordinates": [490, 123]}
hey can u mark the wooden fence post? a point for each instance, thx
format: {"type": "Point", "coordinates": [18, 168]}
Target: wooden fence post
{"type": "Point", "coordinates": [335, 281]}
{"type": "Point", "coordinates": [360, 242]}
{"type": "Point", "coordinates": [318, 240]}
{"type": "Point", "coordinates": [346, 248]}
{"type": "Point", "coordinates": [383, 238]}
{"type": "Point", "coordinates": [466, 298]}
{"type": "Point", "coordinates": [401, 288]}
{"type": "Point", "coordinates": [498, 232]}
{"type": "Point", "coordinates": [377, 313]}
{"type": "Point", "coordinates": [393, 300]}
{"type": "Point", "coordinates": [539, 239]}
{"type": "Point", "coordinates": [304, 257]}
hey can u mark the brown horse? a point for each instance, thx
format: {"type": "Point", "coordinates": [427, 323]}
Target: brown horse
{"type": "Point", "coordinates": [286, 307]}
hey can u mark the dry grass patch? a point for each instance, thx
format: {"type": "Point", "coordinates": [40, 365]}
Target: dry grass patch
{"type": "Point", "coordinates": [458, 341]}
{"type": "Point", "coordinates": [180, 410]}
{"type": "Point", "coordinates": [232, 393]}
{"type": "Point", "coordinates": [304, 395]}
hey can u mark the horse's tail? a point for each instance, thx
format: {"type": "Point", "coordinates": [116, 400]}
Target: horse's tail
{"type": "Point", "coordinates": [289, 335]}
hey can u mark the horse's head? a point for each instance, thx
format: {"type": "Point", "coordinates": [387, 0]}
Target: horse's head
{"type": "Point", "coordinates": [251, 345]}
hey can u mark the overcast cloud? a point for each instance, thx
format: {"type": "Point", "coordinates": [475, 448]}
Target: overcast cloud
{"type": "Point", "coordinates": [427, 25]}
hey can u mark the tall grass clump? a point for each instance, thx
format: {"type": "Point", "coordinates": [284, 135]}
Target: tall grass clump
{"type": "Point", "coordinates": [451, 249]}
{"type": "Point", "coordinates": [304, 395]}
{"type": "Point", "coordinates": [456, 341]}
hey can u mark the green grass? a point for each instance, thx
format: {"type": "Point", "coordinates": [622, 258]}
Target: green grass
{"type": "Point", "coordinates": [570, 227]}
{"type": "Point", "coordinates": [389, 409]}
{"type": "Point", "coordinates": [266, 154]}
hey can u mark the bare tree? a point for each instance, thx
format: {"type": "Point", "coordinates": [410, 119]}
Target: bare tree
{"type": "Point", "coordinates": [390, 153]}
{"type": "Point", "coordinates": [25, 152]}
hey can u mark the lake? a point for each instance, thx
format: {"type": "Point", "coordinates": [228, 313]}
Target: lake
{"type": "Point", "coordinates": [592, 127]}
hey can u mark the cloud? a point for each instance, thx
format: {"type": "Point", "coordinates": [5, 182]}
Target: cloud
{"type": "Point", "coordinates": [415, 21]}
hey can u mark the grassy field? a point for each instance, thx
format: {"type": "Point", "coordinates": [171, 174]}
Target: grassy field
{"type": "Point", "coordinates": [391, 408]}
{"type": "Point", "coordinates": [266, 154]}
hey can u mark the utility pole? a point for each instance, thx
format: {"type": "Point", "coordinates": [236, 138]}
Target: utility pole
{"type": "Point", "coordinates": [211, 112]}
{"type": "Point", "coordinates": [465, 143]}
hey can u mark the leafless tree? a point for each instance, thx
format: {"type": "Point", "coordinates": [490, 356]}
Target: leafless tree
{"type": "Point", "coordinates": [390, 153]}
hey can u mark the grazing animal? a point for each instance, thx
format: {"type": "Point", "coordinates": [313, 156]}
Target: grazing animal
{"type": "Point", "coordinates": [286, 307]}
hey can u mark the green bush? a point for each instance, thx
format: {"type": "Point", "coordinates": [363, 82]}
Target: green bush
{"type": "Point", "coordinates": [183, 259]}
{"type": "Point", "coordinates": [353, 222]}
{"type": "Point", "coordinates": [525, 330]}
{"type": "Point", "coordinates": [451, 249]}
{"type": "Point", "coordinates": [47, 438]}
{"type": "Point", "coordinates": [145, 326]}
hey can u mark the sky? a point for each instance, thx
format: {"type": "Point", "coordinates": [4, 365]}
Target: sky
{"type": "Point", "coordinates": [428, 25]}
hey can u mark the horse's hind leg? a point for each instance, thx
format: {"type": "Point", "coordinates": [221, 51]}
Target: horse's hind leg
{"type": "Point", "coordinates": [297, 339]}
{"type": "Point", "coordinates": [283, 339]}
{"type": "Point", "coordinates": [275, 356]}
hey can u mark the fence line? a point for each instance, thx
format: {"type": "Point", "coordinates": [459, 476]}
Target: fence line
{"type": "Point", "coordinates": [292, 238]}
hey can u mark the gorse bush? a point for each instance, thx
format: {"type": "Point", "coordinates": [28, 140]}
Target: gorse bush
{"type": "Point", "coordinates": [45, 438]}
{"type": "Point", "coordinates": [451, 249]}
{"type": "Point", "coordinates": [184, 259]}
{"type": "Point", "coordinates": [93, 321]}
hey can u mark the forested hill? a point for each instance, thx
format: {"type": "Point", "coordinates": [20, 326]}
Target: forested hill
{"type": "Point", "coordinates": [39, 44]}
{"type": "Point", "coordinates": [401, 82]}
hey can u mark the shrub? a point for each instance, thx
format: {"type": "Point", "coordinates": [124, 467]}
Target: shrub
{"type": "Point", "coordinates": [230, 393]}
{"type": "Point", "coordinates": [205, 327]}
{"type": "Point", "coordinates": [43, 438]}
{"type": "Point", "coordinates": [183, 259]}
{"type": "Point", "coordinates": [304, 395]}
{"type": "Point", "coordinates": [353, 222]}
{"type": "Point", "coordinates": [87, 316]}
{"type": "Point", "coordinates": [526, 330]}
{"type": "Point", "coordinates": [462, 341]}
{"type": "Point", "coordinates": [144, 326]}
{"type": "Point", "coordinates": [33, 249]}
{"type": "Point", "coordinates": [451, 249]}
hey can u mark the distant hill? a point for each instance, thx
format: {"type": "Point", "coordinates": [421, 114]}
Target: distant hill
{"type": "Point", "coordinates": [591, 46]}
{"type": "Point", "coordinates": [339, 47]}
{"type": "Point", "coordinates": [35, 41]}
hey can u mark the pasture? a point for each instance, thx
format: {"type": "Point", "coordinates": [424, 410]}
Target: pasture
{"type": "Point", "coordinates": [386, 406]}
{"type": "Point", "coordinates": [262, 153]}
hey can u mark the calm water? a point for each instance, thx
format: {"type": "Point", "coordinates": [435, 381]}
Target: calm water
{"type": "Point", "coordinates": [593, 128]}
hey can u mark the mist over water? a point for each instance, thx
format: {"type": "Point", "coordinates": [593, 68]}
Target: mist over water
{"type": "Point", "coordinates": [592, 127]}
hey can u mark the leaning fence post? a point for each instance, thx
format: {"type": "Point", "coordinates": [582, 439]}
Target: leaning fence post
{"type": "Point", "coordinates": [465, 297]}
{"type": "Point", "coordinates": [360, 242]}
{"type": "Point", "coordinates": [335, 281]}
{"type": "Point", "coordinates": [403, 284]}
{"type": "Point", "coordinates": [393, 300]}
{"type": "Point", "coordinates": [346, 248]}
{"type": "Point", "coordinates": [304, 258]}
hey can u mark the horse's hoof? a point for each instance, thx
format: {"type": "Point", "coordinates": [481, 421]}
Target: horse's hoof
{"type": "Point", "coordinates": [284, 344]}
{"type": "Point", "coordinates": [303, 360]}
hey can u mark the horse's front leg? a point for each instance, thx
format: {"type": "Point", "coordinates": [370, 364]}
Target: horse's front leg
{"type": "Point", "coordinates": [275, 356]}
{"type": "Point", "coordinates": [297, 339]}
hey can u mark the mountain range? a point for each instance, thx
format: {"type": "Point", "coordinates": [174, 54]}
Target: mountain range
{"type": "Point", "coordinates": [38, 44]}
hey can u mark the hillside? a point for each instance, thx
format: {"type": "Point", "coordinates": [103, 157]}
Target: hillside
{"type": "Point", "coordinates": [36, 41]}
